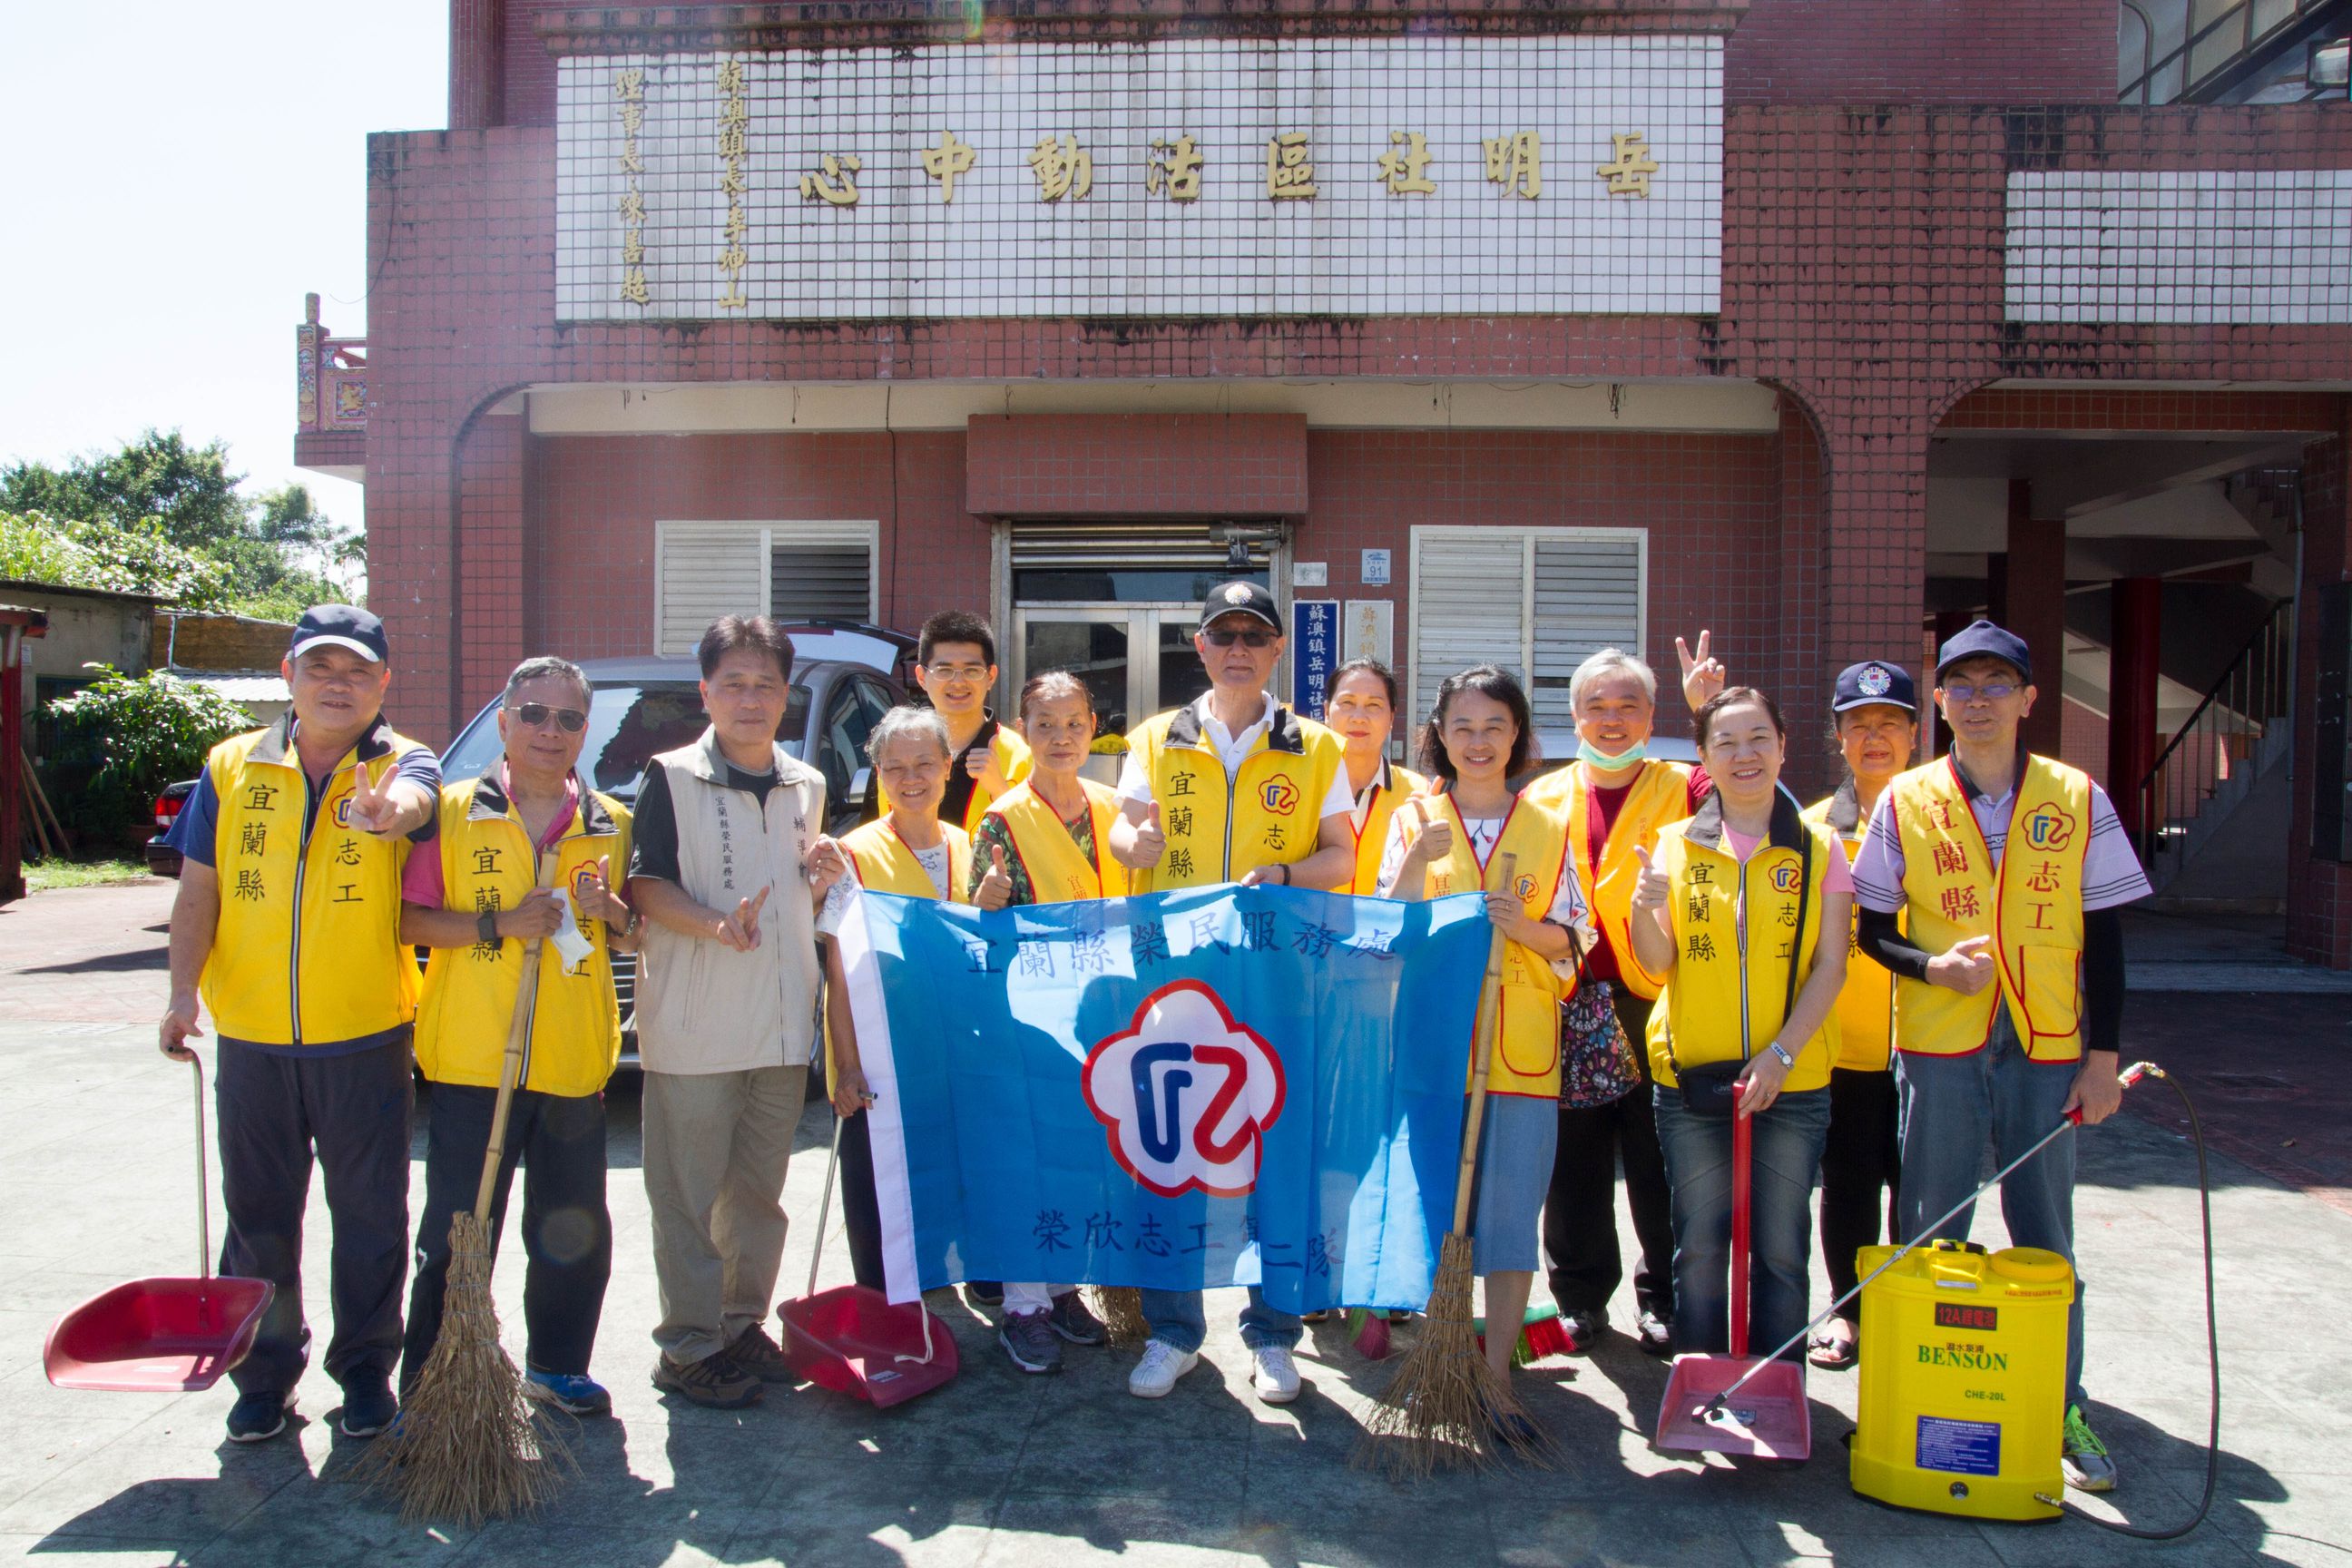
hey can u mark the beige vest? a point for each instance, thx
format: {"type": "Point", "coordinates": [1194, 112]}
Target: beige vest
{"type": "Point", "coordinates": [702, 1007]}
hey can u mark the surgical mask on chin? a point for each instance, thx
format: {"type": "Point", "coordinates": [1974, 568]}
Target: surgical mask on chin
{"type": "Point", "coordinates": [1631, 756]}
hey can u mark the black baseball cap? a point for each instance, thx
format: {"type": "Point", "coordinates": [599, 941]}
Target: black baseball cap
{"type": "Point", "coordinates": [341, 625]}
{"type": "Point", "coordinates": [1860, 685]}
{"type": "Point", "coordinates": [1982, 639]}
{"type": "Point", "coordinates": [1241, 599]}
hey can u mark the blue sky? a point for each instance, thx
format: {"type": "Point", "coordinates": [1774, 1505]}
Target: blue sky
{"type": "Point", "coordinates": [177, 177]}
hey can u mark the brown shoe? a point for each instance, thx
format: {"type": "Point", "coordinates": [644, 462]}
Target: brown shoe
{"type": "Point", "coordinates": [715, 1382]}
{"type": "Point", "coordinates": [761, 1356]}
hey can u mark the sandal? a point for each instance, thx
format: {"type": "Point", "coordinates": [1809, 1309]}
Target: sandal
{"type": "Point", "coordinates": [1832, 1354]}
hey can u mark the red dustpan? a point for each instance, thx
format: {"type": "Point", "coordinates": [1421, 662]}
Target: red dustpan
{"type": "Point", "coordinates": [1733, 1404]}
{"type": "Point", "coordinates": [851, 1340]}
{"type": "Point", "coordinates": [166, 1335]}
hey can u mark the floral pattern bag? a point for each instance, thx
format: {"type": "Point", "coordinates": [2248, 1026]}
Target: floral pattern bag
{"type": "Point", "coordinates": [1597, 1064]}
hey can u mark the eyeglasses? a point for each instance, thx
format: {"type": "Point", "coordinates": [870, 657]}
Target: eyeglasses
{"type": "Point", "coordinates": [956, 671]}
{"type": "Point", "coordinates": [535, 714]}
{"type": "Point", "coordinates": [1965, 693]}
{"type": "Point", "coordinates": [1250, 639]}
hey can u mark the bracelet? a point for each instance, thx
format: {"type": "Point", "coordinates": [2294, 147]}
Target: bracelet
{"type": "Point", "coordinates": [1786, 1059]}
{"type": "Point", "coordinates": [1286, 873]}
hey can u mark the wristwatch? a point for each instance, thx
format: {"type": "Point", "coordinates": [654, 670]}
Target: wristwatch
{"type": "Point", "coordinates": [1786, 1059]}
{"type": "Point", "coordinates": [485, 926]}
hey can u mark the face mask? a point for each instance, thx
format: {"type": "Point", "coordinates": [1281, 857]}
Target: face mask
{"type": "Point", "coordinates": [1631, 756]}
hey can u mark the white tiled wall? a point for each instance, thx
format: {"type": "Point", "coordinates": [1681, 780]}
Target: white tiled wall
{"type": "Point", "coordinates": [2181, 245]}
{"type": "Point", "coordinates": [999, 251]}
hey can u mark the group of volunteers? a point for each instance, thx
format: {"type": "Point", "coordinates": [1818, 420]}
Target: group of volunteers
{"type": "Point", "coordinates": [1926, 962]}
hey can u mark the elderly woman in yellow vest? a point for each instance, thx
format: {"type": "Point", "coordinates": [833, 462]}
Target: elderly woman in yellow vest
{"type": "Point", "coordinates": [1360, 706]}
{"type": "Point", "coordinates": [1732, 910]}
{"type": "Point", "coordinates": [1047, 841]}
{"type": "Point", "coordinates": [517, 845]}
{"type": "Point", "coordinates": [1875, 710]}
{"type": "Point", "coordinates": [1617, 799]}
{"type": "Point", "coordinates": [909, 851]}
{"type": "Point", "coordinates": [1468, 837]}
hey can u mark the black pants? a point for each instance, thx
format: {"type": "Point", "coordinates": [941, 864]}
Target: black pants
{"type": "Point", "coordinates": [1580, 1221]}
{"type": "Point", "coordinates": [861, 1209]}
{"type": "Point", "coordinates": [1862, 1156]}
{"type": "Point", "coordinates": [567, 1234]}
{"type": "Point", "coordinates": [347, 1114]}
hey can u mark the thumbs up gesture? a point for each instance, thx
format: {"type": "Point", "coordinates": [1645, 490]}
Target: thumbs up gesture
{"type": "Point", "coordinates": [1651, 890]}
{"type": "Point", "coordinates": [995, 888]}
{"type": "Point", "coordinates": [741, 930]}
{"type": "Point", "coordinates": [1965, 966]}
{"type": "Point", "coordinates": [1430, 834]}
{"type": "Point", "coordinates": [1150, 841]}
{"type": "Point", "coordinates": [593, 894]}
{"type": "Point", "coordinates": [1703, 675]}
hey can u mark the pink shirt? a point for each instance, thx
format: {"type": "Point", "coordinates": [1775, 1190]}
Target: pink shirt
{"type": "Point", "coordinates": [420, 880]}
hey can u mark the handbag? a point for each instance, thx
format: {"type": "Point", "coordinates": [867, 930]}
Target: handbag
{"type": "Point", "coordinates": [1712, 1089]}
{"type": "Point", "coordinates": [1597, 1065]}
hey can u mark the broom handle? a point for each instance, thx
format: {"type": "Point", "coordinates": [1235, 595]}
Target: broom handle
{"type": "Point", "coordinates": [1743, 1138]}
{"type": "Point", "coordinates": [510, 1069]}
{"type": "Point", "coordinates": [1468, 1175]}
{"type": "Point", "coordinates": [204, 1197]}
{"type": "Point", "coordinates": [824, 1204]}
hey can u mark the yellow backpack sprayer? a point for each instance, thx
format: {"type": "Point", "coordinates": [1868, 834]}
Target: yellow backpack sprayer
{"type": "Point", "coordinates": [1964, 1378]}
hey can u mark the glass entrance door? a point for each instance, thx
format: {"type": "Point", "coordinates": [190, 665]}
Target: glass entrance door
{"type": "Point", "coordinates": [1137, 660]}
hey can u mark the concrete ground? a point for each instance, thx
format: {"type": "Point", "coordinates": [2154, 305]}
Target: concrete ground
{"type": "Point", "coordinates": [95, 1172]}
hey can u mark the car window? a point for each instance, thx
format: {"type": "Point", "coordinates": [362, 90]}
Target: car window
{"type": "Point", "coordinates": [852, 707]}
{"type": "Point", "coordinates": [628, 722]}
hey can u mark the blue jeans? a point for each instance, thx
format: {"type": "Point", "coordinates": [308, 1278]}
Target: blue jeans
{"type": "Point", "coordinates": [1179, 1320]}
{"type": "Point", "coordinates": [1948, 1105]}
{"type": "Point", "coordinates": [1785, 1152]}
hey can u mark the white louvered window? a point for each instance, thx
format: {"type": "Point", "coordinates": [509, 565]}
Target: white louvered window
{"type": "Point", "coordinates": [791, 570]}
{"type": "Point", "coordinates": [1536, 601]}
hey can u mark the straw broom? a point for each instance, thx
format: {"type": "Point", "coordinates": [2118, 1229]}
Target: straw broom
{"type": "Point", "coordinates": [1438, 1411]}
{"type": "Point", "coordinates": [1120, 1307]}
{"type": "Point", "coordinates": [464, 1448]}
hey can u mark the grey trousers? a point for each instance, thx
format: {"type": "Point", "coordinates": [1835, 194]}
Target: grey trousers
{"type": "Point", "coordinates": [715, 1149]}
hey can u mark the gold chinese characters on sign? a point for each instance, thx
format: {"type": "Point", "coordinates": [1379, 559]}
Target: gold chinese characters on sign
{"type": "Point", "coordinates": [1062, 169]}
{"type": "Point", "coordinates": [1174, 169]}
{"type": "Point", "coordinates": [733, 116]}
{"type": "Point", "coordinates": [947, 161]}
{"type": "Point", "coordinates": [1290, 168]}
{"type": "Point", "coordinates": [1401, 165]}
{"type": "Point", "coordinates": [1629, 173]}
{"type": "Point", "coordinates": [629, 92]}
{"type": "Point", "coordinates": [1516, 163]}
{"type": "Point", "coordinates": [834, 181]}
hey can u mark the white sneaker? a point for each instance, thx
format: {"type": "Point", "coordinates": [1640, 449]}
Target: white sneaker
{"type": "Point", "coordinates": [1276, 1377]}
{"type": "Point", "coordinates": [1161, 1365]}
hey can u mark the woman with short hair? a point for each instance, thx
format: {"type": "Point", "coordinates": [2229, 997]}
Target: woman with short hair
{"type": "Point", "coordinates": [1744, 911]}
{"type": "Point", "coordinates": [1360, 701]}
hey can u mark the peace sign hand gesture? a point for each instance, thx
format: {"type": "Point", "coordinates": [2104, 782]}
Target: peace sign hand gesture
{"type": "Point", "coordinates": [1703, 675]}
{"type": "Point", "coordinates": [372, 809]}
{"type": "Point", "coordinates": [740, 931]}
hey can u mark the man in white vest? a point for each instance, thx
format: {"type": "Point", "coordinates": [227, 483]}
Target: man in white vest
{"type": "Point", "coordinates": [730, 863]}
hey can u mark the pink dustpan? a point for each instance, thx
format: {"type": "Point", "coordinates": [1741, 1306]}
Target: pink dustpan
{"type": "Point", "coordinates": [1735, 1403]}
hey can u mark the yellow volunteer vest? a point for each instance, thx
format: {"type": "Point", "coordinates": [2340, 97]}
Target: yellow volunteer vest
{"type": "Point", "coordinates": [2032, 907]}
{"type": "Point", "coordinates": [1524, 1007]}
{"type": "Point", "coordinates": [1661, 795]}
{"type": "Point", "coordinates": [884, 863]}
{"type": "Point", "coordinates": [307, 951]}
{"type": "Point", "coordinates": [1865, 1009]}
{"type": "Point", "coordinates": [1729, 995]}
{"type": "Point", "coordinates": [488, 862]}
{"type": "Point", "coordinates": [1059, 873]}
{"type": "Point", "coordinates": [1012, 754]}
{"type": "Point", "coordinates": [1396, 787]}
{"type": "Point", "coordinates": [1221, 828]}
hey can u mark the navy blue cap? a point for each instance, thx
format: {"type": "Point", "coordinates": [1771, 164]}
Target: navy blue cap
{"type": "Point", "coordinates": [1982, 639]}
{"type": "Point", "coordinates": [1241, 599]}
{"type": "Point", "coordinates": [341, 625]}
{"type": "Point", "coordinates": [1860, 685]}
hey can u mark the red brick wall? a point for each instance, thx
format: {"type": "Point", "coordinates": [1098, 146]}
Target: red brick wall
{"type": "Point", "coordinates": [1923, 51]}
{"type": "Point", "coordinates": [1138, 465]}
{"type": "Point", "coordinates": [2318, 891]}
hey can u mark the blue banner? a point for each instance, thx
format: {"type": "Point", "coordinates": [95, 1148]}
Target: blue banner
{"type": "Point", "coordinates": [1223, 1086]}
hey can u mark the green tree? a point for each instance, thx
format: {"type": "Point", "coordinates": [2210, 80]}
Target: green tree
{"type": "Point", "coordinates": [189, 491]}
{"type": "Point", "coordinates": [145, 731]}
{"type": "Point", "coordinates": [43, 548]}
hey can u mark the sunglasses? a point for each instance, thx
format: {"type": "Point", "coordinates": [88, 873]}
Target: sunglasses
{"type": "Point", "coordinates": [1247, 639]}
{"type": "Point", "coordinates": [535, 714]}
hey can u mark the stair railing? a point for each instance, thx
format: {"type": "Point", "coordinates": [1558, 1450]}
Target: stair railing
{"type": "Point", "coordinates": [2222, 735]}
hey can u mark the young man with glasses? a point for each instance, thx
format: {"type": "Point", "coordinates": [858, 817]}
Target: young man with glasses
{"type": "Point", "coordinates": [526, 850]}
{"type": "Point", "coordinates": [955, 663]}
{"type": "Point", "coordinates": [1234, 788]}
{"type": "Point", "coordinates": [2009, 870]}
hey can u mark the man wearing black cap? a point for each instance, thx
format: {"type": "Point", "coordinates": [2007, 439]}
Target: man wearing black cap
{"type": "Point", "coordinates": [1875, 712]}
{"type": "Point", "coordinates": [287, 923]}
{"type": "Point", "coordinates": [2008, 871]}
{"type": "Point", "coordinates": [1234, 788]}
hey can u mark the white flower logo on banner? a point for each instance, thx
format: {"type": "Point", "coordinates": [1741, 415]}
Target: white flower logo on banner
{"type": "Point", "coordinates": [1185, 1092]}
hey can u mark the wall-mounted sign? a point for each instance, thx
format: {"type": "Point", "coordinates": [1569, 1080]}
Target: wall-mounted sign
{"type": "Point", "coordinates": [1188, 178]}
{"type": "Point", "coordinates": [1376, 568]}
{"type": "Point", "coordinates": [1310, 574]}
{"type": "Point", "coordinates": [1313, 651]}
